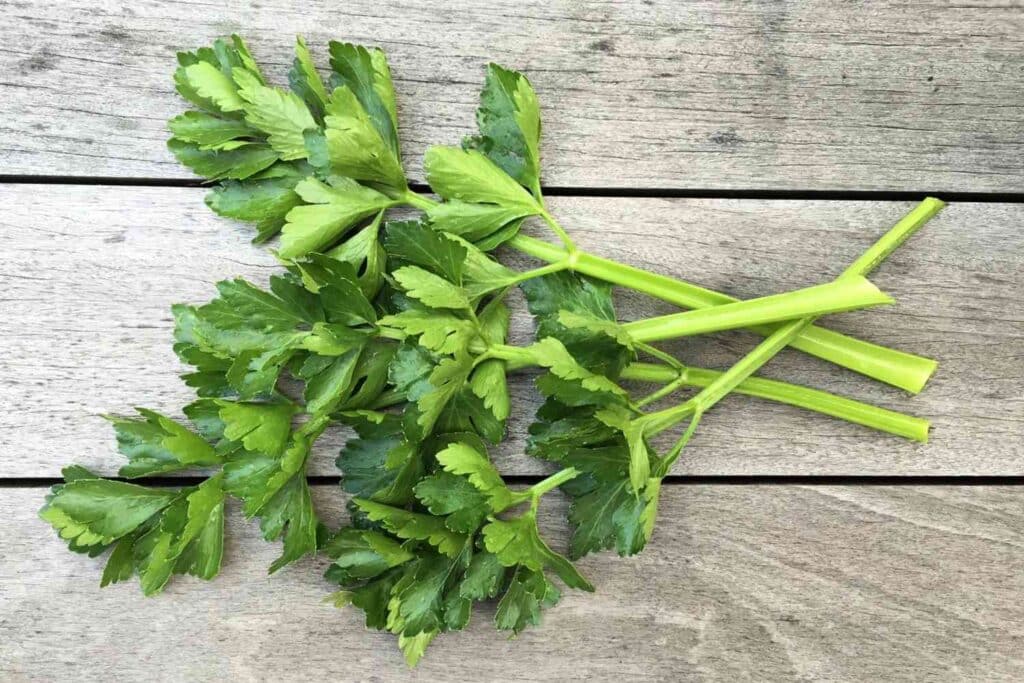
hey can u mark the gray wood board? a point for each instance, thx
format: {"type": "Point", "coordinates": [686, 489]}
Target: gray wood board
{"type": "Point", "coordinates": [895, 96]}
{"type": "Point", "coordinates": [739, 583]}
{"type": "Point", "coordinates": [92, 271]}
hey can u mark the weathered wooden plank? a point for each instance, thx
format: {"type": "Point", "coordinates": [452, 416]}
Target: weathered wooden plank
{"type": "Point", "coordinates": [769, 583]}
{"type": "Point", "coordinates": [91, 273]}
{"type": "Point", "coordinates": [712, 94]}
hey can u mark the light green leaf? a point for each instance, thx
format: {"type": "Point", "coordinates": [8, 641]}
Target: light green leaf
{"type": "Point", "coordinates": [261, 427]}
{"type": "Point", "coordinates": [330, 211]}
{"type": "Point", "coordinates": [431, 289]}
{"type": "Point", "coordinates": [552, 354]}
{"type": "Point", "coordinates": [355, 147]}
{"type": "Point", "coordinates": [461, 459]}
{"type": "Point", "coordinates": [211, 83]}
{"type": "Point", "coordinates": [469, 176]}
{"type": "Point", "coordinates": [361, 554]}
{"type": "Point", "coordinates": [454, 498]}
{"type": "Point", "coordinates": [483, 577]}
{"type": "Point", "coordinates": [446, 380]}
{"type": "Point", "coordinates": [574, 320]}
{"type": "Point", "coordinates": [206, 130]}
{"type": "Point", "coordinates": [472, 222]}
{"type": "Point", "coordinates": [282, 115]}
{"type": "Point", "coordinates": [366, 73]}
{"type": "Point", "coordinates": [490, 385]}
{"type": "Point", "coordinates": [517, 542]}
{"type": "Point", "coordinates": [442, 333]}
{"type": "Point", "coordinates": [201, 546]}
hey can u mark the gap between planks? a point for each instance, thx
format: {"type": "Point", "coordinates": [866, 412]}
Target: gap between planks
{"type": "Point", "coordinates": [671, 480]}
{"type": "Point", "coordinates": [607, 192]}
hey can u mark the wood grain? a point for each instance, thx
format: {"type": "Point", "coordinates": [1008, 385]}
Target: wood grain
{"type": "Point", "coordinates": [92, 271]}
{"type": "Point", "coordinates": [927, 96]}
{"type": "Point", "coordinates": [739, 583]}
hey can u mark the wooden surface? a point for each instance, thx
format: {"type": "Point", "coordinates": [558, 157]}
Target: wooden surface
{"type": "Point", "coordinates": [925, 96]}
{"type": "Point", "coordinates": [832, 581]}
{"type": "Point", "coordinates": [88, 329]}
{"type": "Point", "coordinates": [740, 583]}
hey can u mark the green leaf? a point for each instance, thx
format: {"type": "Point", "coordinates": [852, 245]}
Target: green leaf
{"type": "Point", "coordinates": [483, 578]}
{"type": "Point", "coordinates": [432, 290]}
{"type": "Point", "coordinates": [632, 429]}
{"type": "Point", "coordinates": [550, 353]}
{"type": "Point", "coordinates": [461, 459]}
{"type": "Point", "coordinates": [361, 554]}
{"type": "Point", "coordinates": [414, 525]}
{"type": "Point", "coordinates": [260, 427]}
{"type": "Point", "coordinates": [372, 597]}
{"type": "Point", "coordinates": [280, 114]}
{"type": "Point", "coordinates": [355, 147]}
{"type": "Point", "coordinates": [417, 601]}
{"type": "Point", "coordinates": [548, 296]}
{"type": "Point", "coordinates": [241, 305]}
{"type": "Point", "coordinates": [560, 430]}
{"type": "Point", "coordinates": [306, 82]}
{"type": "Point", "coordinates": [611, 514]}
{"type": "Point", "coordinates": [520, 606]}
{"type": "Point", "coordinates": [454, 498]}
{"type": "Point", "coordinates": [202, 542]}
{"type": "Point", "coordinates": [206, 130]}
{"type": "Point", "coordinates": [156, 444]}
{"type": "Point", "coordinates": [331, 210]}
{"type": "Point", "coordinates": [574, 321]}
{"type": "Point", "coordinates": [517, 542]}
{"type": "Point", "coordinates": [365, 254]}
{"type": "Point", "coordinates": [328, 388]}
{"type": "Point", "coordinates": [469, 176]}
{"type": "Point", "coordinates": [416, 244]}
{"type": "Point", "coordinates": [370, 376]}
{"type": "Point", "coordinates": [491, 386]}
{"type": "Point", "coordinates": [509, 123]}
{"type": "Point", "coordinates": [446, 379]}
{"type": "Point", "coordinates": [338, 287]}
{"type": "Point", "coordinates": [442, 333]}
{"type": "Point", "coordinates": [473, 222]}
{"type": "Point", "coordinates": [366, 73]}
{"type": "Point", "coordinates": [414, 647]}
{"type": "Point", "coordinates": [264, 202]}
{"type": "Point", "coordinates": [290, 511]}
{"type": "Point", "coordinates": [466, 412]}
{"type": "Point", "coordinates": [213, 85]}
{"type": "Point", "coordinates": [91, 512]}
{"type": "Point", "coordinates": [238, 163]}
{"type": "Point", "coordinates": [380, 464]}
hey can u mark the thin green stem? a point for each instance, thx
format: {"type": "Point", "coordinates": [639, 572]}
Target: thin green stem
{"type": "Point", "coordinates": [552, 482]}
{"type": "Point", "coordinates": [898, 368]}
{"type": "Point", "coordinates": [664, 391]}
{"type": "Point", "coordinates": [775, 342]}
{"type": "Point", "coordinates": [541, 272]}
{"type": "Point", "coordinates": [844, 294]}
{"type": "Point", "coordinates": [850, 410]}
{"type": "Point", "coordinates": [418, 201]}
{"type": "Point", "coordinates": [557, 228]}
{"type": "Point", "coordinates": [661, 355]}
